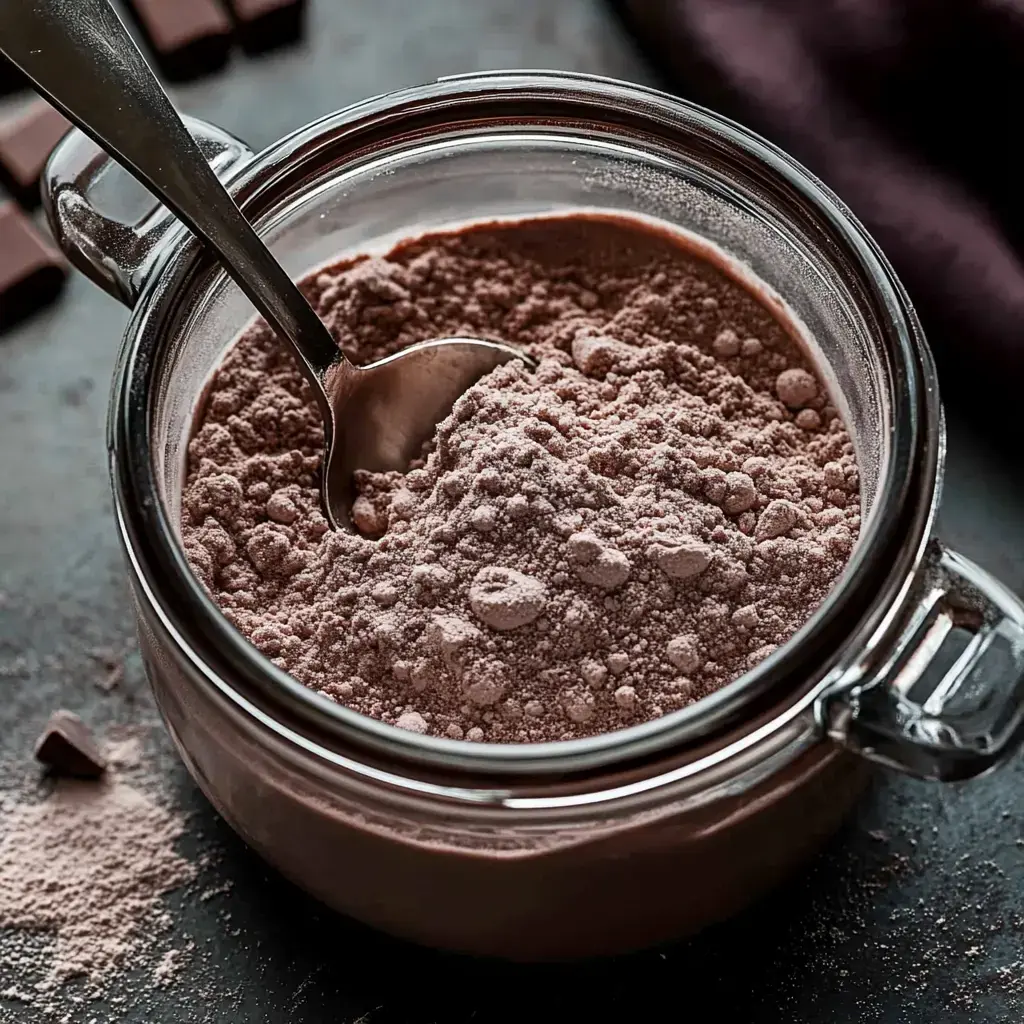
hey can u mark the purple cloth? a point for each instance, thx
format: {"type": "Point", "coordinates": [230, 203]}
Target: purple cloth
{"type": "Point", "coordinates": [910, 111]}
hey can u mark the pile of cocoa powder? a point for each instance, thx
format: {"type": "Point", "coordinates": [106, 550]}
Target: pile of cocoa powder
{"type": "Point", "coordinates": [660, 503]}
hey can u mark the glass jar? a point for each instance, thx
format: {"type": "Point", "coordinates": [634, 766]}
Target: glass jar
{"type": "Point", "coordinates": [916, 659]}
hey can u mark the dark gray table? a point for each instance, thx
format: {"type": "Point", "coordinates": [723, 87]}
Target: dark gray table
{"type": "Point", "coordinates": [914, 913]}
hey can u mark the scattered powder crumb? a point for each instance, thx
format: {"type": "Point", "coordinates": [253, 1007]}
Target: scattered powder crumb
{"type": "Point", "coordinates": [1010, 979]}
{"type": "Point", "coordinates": [170, 966]}
{"type": "Point", "coordinates": [213, 891]}
{"type": "Point", "coordinates": [112, 679]}
{"type": "Point", "coordinates": [124, 753]}
{"type": "Point", "coordinates": [17, 666]}
{"type": "Point", "coordinates": [583, 547]}
{"type": "Point", "coordinates": [89, 863]}
{"type": "Point", "coordinates": [112, 664]}
{"type": "Point", "coordinates": [18, 994]}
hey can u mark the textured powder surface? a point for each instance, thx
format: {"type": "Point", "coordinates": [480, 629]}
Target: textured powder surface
{"type": "Point", "coordinates": [587, 546]}
{"type": "Point", "coordinates": [89, 863]}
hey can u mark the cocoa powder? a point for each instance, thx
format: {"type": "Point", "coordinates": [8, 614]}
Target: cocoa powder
{"type": "Point", "coordinates": [664, 500]}
{"type": "Point", "coordinates": [90, 863]}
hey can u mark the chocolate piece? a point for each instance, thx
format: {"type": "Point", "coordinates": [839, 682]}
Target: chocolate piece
{"type": "Point", "coordinates": [190, 37]}
{"type": "Point", "coordinates": [32, 271]}
{"type": "Point", "coordinates": [266, 24]}
{"type": "Point", "coordinates": [26, 141]}
{"type": "Point", "coordinates": [67, 747]}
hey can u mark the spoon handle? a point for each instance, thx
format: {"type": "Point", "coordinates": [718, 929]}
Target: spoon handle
{"type": "Point", "coordinates": [79, 55]}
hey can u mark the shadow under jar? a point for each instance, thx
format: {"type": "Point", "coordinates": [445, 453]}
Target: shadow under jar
{"type": "Point", "coordinates": [582, 847]}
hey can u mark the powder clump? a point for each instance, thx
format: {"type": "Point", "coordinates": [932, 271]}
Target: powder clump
{"type": "Point", "coordinates": [663, 501]}
{"type": "Point", "coordinates": [506, 598]}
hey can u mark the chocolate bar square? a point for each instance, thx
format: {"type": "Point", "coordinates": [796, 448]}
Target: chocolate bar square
{"type": "Point", "coordinates": [26, 141]}
{"type": "Point", "coordinates": [189, 37]}
{"type": "Point", "coordinates": [32, 271]}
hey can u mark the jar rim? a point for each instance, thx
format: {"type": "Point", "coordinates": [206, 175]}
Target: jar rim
{"type": "Point", "coordinates": [897, 523]}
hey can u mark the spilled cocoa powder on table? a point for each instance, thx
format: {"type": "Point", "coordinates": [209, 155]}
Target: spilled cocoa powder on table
{"type": "Point", "coordinates": [87, 865]}
{"type": "Point", "coordinates": [582, 547]}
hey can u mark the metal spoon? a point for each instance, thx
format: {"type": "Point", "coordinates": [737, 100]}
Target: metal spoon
{"type": "Point", "coordinates": [80, 56]}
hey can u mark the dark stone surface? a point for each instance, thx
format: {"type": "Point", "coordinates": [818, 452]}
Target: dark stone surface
{"type": "Point", "coordinates": [913, 914]}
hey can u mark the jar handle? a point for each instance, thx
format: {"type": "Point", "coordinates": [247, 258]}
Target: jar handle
{"type": "Point", "coordinates": [106, 223]}
{"type": "Point", "coordinates": [948, 700]}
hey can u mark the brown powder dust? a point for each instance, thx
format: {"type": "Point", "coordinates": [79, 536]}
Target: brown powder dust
{"type": "Point", "coordinates": [89, 864]}
{"type": "Point", "coordinates": [583, 547]}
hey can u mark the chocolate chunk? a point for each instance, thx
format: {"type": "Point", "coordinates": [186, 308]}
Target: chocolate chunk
{"type": "Point", "coordinates": [26, 141]}
{"type": "Point", "coordinates": [190, 37]}
{"type": "Point", "coordinates": [266, 24]}
{"type": "Point", "coordinates": [32, 271]}
{"type": "Point", "coordinates": [67, 747]}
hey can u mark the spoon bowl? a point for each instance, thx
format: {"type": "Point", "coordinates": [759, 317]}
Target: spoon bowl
{"type": "Point", "coordinates": [381, 414]}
